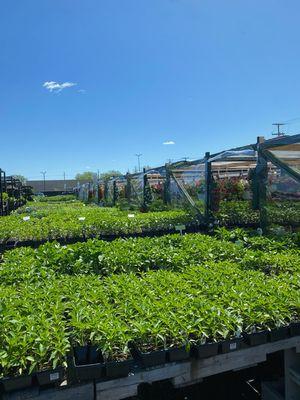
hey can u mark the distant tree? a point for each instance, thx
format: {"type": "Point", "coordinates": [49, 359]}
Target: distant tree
{"type": "Point", "coordinates": [109, 174]}
{"type": "Point", "coordinates": [85, 176]}
{"type": "Point", "coordinates": [21, 178]}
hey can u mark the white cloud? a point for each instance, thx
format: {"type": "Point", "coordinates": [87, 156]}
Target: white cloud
{"type": "Point", "coordinates": [169, 142]}
{"type": "Point", "coordinates": [82, 91]}
{"type": "Point", "coordinates": [53, 86]}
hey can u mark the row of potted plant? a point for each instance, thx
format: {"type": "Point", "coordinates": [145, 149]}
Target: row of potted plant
{"type": "Point", "coordinates": [173, 252]}
{"type": "Point", "coordinates": [86, 363]}
{"type": "Point", "coordinates": [72, 221]}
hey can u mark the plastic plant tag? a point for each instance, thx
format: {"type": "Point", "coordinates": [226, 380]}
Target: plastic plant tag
{"type": "Point", "coordinates": [54, 376]}
{"type": "Point", "coordinates": [27, 218]}
{"type": "Point", "coordinates": [232, 346]}
{"type": "Point", "coordinates": [180, 228]}
{"type": "Point", "coordinates": [81, 218]}
{"type": "Point", "coordinates": [130, 215]}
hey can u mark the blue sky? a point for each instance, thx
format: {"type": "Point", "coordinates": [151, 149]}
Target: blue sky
{"type": "Point", "coordinates": [204, 74]}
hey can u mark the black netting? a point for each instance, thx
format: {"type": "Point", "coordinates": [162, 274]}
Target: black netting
{"type": "Point", "coordinates": [283, 198]}
{"type": "Point", "coordinates": [187, 186]}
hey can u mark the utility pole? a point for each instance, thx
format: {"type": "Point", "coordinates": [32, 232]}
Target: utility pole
{"type": "Point", "coordinates": [139, 164]}
{"type": "Point", "coordinates": [44, 175]}
{"type": "Point", "coordinates": [65, 186]}
{"type": "Point", "coordinates": [278, 133]}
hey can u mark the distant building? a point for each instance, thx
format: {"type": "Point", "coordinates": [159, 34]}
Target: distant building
{"type": "Point", "coordinates": [58, 186]}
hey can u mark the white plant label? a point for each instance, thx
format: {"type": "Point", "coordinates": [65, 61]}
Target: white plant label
{"type": "Point", "coordinates": [180, 228]}
{"type": "Point", "coordinates": [54, 376]}
{"type": "Point", "coordinates": [232, 346]}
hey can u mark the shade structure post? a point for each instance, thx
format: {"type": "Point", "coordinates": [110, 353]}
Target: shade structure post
{"type": "Point", "coordinates": [208, 184]}
{"type": "Point", "coordinates": [115, 192]}
{"type": "Point", "coordinates": [261, 172]}
{"type": "Point", "coordinates": [167, 186]}
{"type": "Point", "coordinates": [1, 192]}
{"type": "Point", "coordinates": [106, 191]}
{"type": "Point", "coordinates": [128, 188]}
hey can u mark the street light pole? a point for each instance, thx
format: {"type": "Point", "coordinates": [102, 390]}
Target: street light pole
{"type": "Point", "coordinates": [138, 157]}
{"type": "Point", "coordinates": [44, 174]}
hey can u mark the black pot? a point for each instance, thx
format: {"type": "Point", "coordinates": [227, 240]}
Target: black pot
{"type": "Point", "coordinates": [50, 376]}
{"type": "Point", "coordinates": [279, 333]}
{"type": "Point", "coordinates": [89, 372]}
{"type": "Point", "coordinates": [256, 338]}
{"type": "Point", "coordinates": [149, 359]}
{"type": "Point", "coordinates": [177, 354]}
{"type": "Point", "coordinates": [16, 383]}
{"type": "Point", "coordinates": [295, 329]}
{"type": "Point", "coordinates": [227, 346]}
{"type": "Point", "coordinates": [118, 369]}
{"type": "Point", "coordinates": [204, 350]}
{"type": "Point", "coordinates": [94, 355]}
{"type": "Point", "coordinates": [81, 355]}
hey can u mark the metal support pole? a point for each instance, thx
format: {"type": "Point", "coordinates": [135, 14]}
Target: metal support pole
{"type": "Point", "coordinates": [167, 187]}
{"type": "Point", "coordinates": [144, 188]}
{"type": "Point", "coordinates": [262, 181]}
{"type": "Point", "coordinates": [1, 192]}
{"type": "Point", "coordinates": [114, 192]}
{"type": "Point", "coordinates": [128, 187]}
{"type": "Point", "coordinates": [207, 197]}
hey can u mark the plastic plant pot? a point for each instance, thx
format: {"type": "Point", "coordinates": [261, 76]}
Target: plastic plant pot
{"type": "Point", "coordinates": [94, 355]}
{"type": "Point", "coordinates": [118, 369]}
{"type": "Point", "coordinates": [148, 359]}
{"type": "Point", "coordinates": [177, 354]}
{"type": "Point", "coordinates": [256, 338]}
{"type": "Point", "coordinates": [295, 329]}
{"type": "Point", "coordinates": [16, 383]}
{"type": "Point", "coordinates": [204, 350]}
{"type": "Point", "coordinates": [89, 372]}
{"type": "Point", "coordinates": [81, 355]}
{"type": "Point", "coordinates": [279, 334]}
{"type": "Point", "coordinates": [227, 346]}
{"type": "Point", "coordinates": [50, 377]}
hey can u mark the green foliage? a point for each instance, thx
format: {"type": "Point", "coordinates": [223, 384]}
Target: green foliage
{"type": "Point", "coordinates": [137, 255]}
{"type": "Point", "coordinates": [54, 199]}
{"type": "Point", "coordinates": [21, 178]}
{"type": "Point", "coordinates": [286, 213]}
{"type": "Point", "coordinates": [87, 176]}
{"type": "Point", "coordinates": [106, 176]}
{"type": "Point", "coordinates": [74, 219]}
{"type": "Point", "coordinates": [159, 292]}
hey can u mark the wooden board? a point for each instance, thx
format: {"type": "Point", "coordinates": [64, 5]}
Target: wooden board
{"type": "Point", "coordinates": [186, 373]}
{"type": "Point", "coordinates": [82, 392]}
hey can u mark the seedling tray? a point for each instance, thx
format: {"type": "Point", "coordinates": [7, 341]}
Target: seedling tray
{"type": "Point", "coordinates": [279, 333]}
{"type": "Point", "coordinates": [50, 377]}
{"type": "Point", "coordinates": [204, 350]}
{"type": "Point", "coordinates": [227, 346]}
{"type": "Point", "coordinates": [118, 369]}
{"type": "Point", "coordinates": [16, 383]}
{"type": "Point", "coordinates": [177, 354]}
{"type": "Point", "coordinates": [256, 338]}
{"type": "Point", "coordinates": [295, 329]}
{"type": "Point", "coordinates": [148, 359]}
